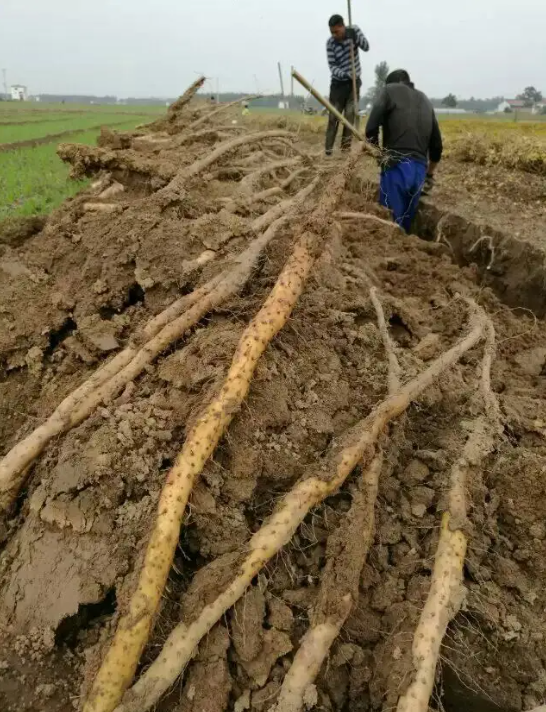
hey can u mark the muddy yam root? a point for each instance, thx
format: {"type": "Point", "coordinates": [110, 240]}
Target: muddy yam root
{"type": "Point", "coordinates": [155, 337]}
{"type": "Point", "coordinates": [447, 592]}
{"type": "Point", "coordinates": [119, 665]}
{"type": "Point", "coordinates": [357, 446]}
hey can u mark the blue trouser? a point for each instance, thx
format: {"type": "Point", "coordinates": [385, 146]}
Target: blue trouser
{"type": "Point", "coordinates": [400, 189]}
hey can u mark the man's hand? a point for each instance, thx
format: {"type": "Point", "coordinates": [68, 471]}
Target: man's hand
{"type": "Point", "coordinates": [429, 184]}
{"type": "Point", "coordinates": [350, 34]}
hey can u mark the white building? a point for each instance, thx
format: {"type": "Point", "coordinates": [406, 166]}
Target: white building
{"type": "Point", "coordinates": [18, 92]}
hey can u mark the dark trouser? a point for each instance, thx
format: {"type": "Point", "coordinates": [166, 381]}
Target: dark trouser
{"type": "Point", "coordinates": [341, 96]}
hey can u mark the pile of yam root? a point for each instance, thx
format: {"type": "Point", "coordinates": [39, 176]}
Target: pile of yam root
{"type": "Point", "coordinates": [311, 212]}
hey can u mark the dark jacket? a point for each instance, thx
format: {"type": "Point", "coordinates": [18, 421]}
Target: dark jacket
{"type": "Point", "coordinates": [410, 126]}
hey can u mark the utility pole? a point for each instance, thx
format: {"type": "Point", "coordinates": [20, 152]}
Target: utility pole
{"type": "Point", "coordinates": [282, 83]}
{"type": "Point", "coordinates": [292, 82]}
{"type": "Point", "coordinates": [5, 81]}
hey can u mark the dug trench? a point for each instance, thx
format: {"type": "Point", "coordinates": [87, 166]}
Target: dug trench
{"type": "Point", "coordinates": [73, 545]}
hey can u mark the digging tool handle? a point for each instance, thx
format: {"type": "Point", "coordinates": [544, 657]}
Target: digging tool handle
{"type": "Point", "coordinates": [354, 50]}
{"type": "Point", "coordinates": [327, 105]}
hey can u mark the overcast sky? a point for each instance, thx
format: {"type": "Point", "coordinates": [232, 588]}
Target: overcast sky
{"type": "Point", "coordinates": [157, 47]}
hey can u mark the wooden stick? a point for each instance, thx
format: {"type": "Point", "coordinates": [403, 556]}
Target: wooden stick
{"type": "Point", "coordinates": [357, 446]}
{"type": "Point", "coordinates": [353, 63]}
{"type": "Point", "coordinates": [331, 108]}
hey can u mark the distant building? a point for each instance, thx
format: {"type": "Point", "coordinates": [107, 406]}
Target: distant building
{"type": "Point", "coordinates": [540, 107]}
{"type": "Point", "coordinates": [512, 105]}
{"type": "Point", "coordinates": [18, 92]}
{"type": "Point", "coordinates": [450, 110]}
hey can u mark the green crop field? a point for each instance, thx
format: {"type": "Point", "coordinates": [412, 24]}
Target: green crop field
{"type": "Point", "coordinates": [33, 180]}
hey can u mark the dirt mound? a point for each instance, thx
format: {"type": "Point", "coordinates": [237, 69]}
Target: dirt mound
{"type": "Point", "coordinates": [81, 293]}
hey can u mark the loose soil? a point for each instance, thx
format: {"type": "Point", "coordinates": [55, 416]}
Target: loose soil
{"type": "Point", "coordinates": [72, 292]}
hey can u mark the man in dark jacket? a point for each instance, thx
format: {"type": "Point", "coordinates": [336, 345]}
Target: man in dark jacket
{"type": "Point", "coordinates": [412, 143]}
{"type": "Point", "coordinates": [338, 51]}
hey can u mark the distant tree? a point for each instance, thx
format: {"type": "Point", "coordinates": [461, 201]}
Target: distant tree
{"type": "Point", "coordinates": [507, 110]}
{"type": "Point", "coordinates": [381, 73]}
{"type": "Point", "coordinates": [450, 101]}
{"type": "Point", "coordinates": [530, 96]}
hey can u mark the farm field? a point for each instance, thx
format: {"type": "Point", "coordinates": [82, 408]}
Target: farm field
{"type": "Point", "coordinates": [244, 419]}
{"type": "Point", "coordinates": [33, 180]}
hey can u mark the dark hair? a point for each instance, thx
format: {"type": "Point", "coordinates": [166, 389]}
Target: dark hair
{"type": "Point", "coordinates": [399, 76]}
{"type": "Point", "coordinates": [335, 20]}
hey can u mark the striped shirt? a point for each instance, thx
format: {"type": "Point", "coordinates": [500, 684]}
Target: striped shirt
{"type": "Point", "coordinates": [339, 56]}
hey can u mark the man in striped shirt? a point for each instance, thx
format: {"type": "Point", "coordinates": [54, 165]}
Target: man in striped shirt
{"type": "Point", "coordinates": [338, 50]}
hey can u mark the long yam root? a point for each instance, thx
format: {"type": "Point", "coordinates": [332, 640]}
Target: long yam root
{"type": "Point", "coordinates": [308, 660]}
{"type": "Point", "coordinates": [367, 216]}
{"type": "Point", "coordinates": [174, 189]}
{"type": "Point", "coordinates": [88, 160]}
{"type": "Point", "coordinates": [394, 369]}
{"type": "Point", "coordinates": [187, 96]}
{"type": "Point", "coordinates": [358, 445]}
{"type": "Point", "coordinates": [121, 659]}
{"type": "Point", "coordinates": [446, 589]}
{"type": "Point", "coordinates": [249, 182]}
{"type": "Point", "coordinates": [160, 332]}
{"type": "Point", "coordinates": [223, 107]}
{"type": "Point", "coordinates": [346, 555]}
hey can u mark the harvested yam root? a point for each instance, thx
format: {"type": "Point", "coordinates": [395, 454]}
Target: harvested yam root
{"type": "Point", "coordinates": [446, 590]}
{"type": "Point", "coordinates": [88, 160]}
{"type": "Point", "coordinates": [173, 190]}
{"type": "Point", "coordinates": [357, 446]}
{"type": "Point", "coordinates": [249, 182]}
{"type": "Point", "coordinates": [158, 334]}
{"type": "Point", "coordinates": [223, 107]}
{"type": "Point", "coordinates": [121, 660]}
{"type": "Point", "coordinates": [346, 556]}
{"type": "Point", "coordinates": [186, 97]}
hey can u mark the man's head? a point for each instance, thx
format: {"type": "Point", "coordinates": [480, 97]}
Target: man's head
{"type": "Point", "coordinates": [399, 76]}
{"type": "Point", "coordinates": [337, 27]}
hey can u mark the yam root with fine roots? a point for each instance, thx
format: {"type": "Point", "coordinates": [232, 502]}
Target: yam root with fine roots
{"type": "Point", "coordinates": [186, 97]}
{"type": "Point", "coordinates": [359, 445]}
{"type": "Point", "coordinates": [346, 555]}
{"type": "Point", "coordinates": [249, 182]}
{"type": "Point", "coordinates": [344, 215]}
{"type": "Point", "coordinates": [446, 592]}
{"type": "Point", "coordinates": [88, 160]}
{"type": "Point", "coordinates": [236, 204]}
{"type": "Point", "coordinates": [174, 189]}
{"type": "Point", "coordinates": [205, 134]}
{"type": "Point", "coordinates": [223, 107]}
{"type": "Point", "coordinates": [147, 344]}
{"type": "Point", "coordinates": [119, 664]}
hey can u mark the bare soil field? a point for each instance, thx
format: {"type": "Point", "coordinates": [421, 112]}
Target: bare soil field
{"type": "Point", "coordinates": [357, 417]}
